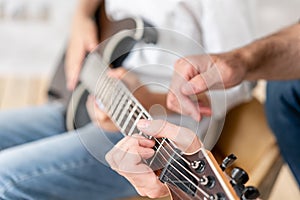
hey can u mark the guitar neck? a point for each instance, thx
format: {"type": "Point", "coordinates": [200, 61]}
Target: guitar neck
{"type": "Point", "coordinates": [189, 176]}
{"type": "Point", "coordinates": [113, 96]}
{"type": "Point", "coordinates": [121, 106]}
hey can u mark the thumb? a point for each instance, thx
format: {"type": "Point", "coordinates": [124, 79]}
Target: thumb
{"type": "Point", "coordinates": [184, 138]}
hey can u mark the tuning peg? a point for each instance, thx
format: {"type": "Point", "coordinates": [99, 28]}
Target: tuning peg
{"type": "Point", "coordinates": [239, 176]}
{"type": "Point", "coordinates": [228, 161]}
{"type": "Point", "coordinates": [250, 192]}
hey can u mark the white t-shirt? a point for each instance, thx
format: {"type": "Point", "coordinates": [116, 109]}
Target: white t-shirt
{"type": "Point", "coordinates": [184, 26]}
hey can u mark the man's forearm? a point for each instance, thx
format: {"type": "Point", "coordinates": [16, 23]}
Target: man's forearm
{"type": "Point", "coordinates": [274, 57]}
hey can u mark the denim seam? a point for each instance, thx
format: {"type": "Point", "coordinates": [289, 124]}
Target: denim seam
{"type": "Point", "coordinates": [7, 186]}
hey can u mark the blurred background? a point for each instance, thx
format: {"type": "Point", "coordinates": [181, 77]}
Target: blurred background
{"type": "Point", "coordinates": [33, 33]}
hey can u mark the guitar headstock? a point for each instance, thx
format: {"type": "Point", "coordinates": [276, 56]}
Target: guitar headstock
{"type": "Point", "coordinates": [199, 176]}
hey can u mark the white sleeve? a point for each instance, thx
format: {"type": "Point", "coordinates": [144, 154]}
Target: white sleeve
{"type": "Point", "coordinates": [227, 24]}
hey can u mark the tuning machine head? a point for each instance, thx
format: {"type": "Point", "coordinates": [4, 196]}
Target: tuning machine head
{"type": "Point", "coordinates": [238, 179]}
{"type": "Point", "coordinates": [228, 161]}
{"type": "Point", "coordinates": [239, 176]}
{"type": "Point", "coordinates": [250, 192]}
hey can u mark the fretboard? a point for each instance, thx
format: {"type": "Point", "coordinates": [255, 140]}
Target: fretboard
{"type": "Point", "coordinates": [115, 98]}
{"type": "Point", "coordinates": [119, 103]}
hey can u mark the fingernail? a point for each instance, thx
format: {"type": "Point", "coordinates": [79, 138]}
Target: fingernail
{"type": "Point", "coordinates": [143, 124]}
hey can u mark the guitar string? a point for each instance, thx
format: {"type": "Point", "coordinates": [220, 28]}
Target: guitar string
{"type": "Point", "coordinates": [158, 142]}
{"type": "Point", "coordinates": [169, 145]}
{"type": "Point", "coordinates": [179, 171]}
{"type": "Point", "coordinates": [174, 159]}
{"type": "Point", "coordinates": [173, 182]}
{"type": "Point", "coordinates": [179, 180]}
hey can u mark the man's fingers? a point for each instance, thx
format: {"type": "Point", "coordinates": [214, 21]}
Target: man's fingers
{"type": "Point", "coordinates": [74, 59]}
{"type": "Point", "coordinates": [205, 111]}
{"type": "Point", "coordinates": [144, 142]}
{"type": "Point", "coordinates": [211, 79]}
{"type": "Point", "coordinates": [184, 105]}
{"type": "Point", "coordinates": [196, 85]}
{"type": "Point", "coordinates": [128, 154]}
{"type": "Point", "coordinates": [183, 137]}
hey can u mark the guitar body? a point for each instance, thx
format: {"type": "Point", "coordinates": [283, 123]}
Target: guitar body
{"type": "Point", "coordinates": [75, 102]}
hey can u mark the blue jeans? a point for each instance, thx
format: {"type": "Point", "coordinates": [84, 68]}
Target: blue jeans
{"type": "Point", "coordinates": [283, 113]}
{"type": "Point", "coordinates": [39, 160]}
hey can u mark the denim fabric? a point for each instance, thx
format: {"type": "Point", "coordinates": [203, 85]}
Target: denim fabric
{"type": "Point", "coordinates": [39, 160]}
{"type": "Point", "coordinates": [283, 113]}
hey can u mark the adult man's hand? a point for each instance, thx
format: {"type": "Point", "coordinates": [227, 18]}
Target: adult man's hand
{"type": "Point", "coordinates": [127, 156]}
{"type": "Point", "coordinates": [196, 74]}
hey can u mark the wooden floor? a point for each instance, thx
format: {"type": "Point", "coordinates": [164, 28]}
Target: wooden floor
{"type": "Point", "coordinates": [16, 92]}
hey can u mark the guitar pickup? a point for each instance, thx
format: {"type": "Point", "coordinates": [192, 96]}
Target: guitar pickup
{"type": "Point", "coordinates": [175, 173]}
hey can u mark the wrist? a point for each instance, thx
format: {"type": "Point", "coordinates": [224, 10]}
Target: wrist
{"type": "Point", "coordinates": [244, 59]}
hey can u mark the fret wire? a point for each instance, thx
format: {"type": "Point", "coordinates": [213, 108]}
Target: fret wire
{"type": "Point", "coordinates": [188, 163]}
{"type": "Point", "coordinates": [146, 116]}
{"type": "Point", "coordinates": [105, 96]}
{"type": "Point", "coordinates": [157, 152]}
{"type": "Point", "coordinates": [124, 112]}
{"type": "Point", "coordinates": [117, 103]}
{"type": "Point", "coordinates": [129, 117]}
{"type": "Point", "coordinates": [140, 133]}
{"type": "Point", "coordinates": [117, 113]}
{"type": "Point", "coordinates": [102, 83]}
{"type": "Point", "coordinates": [113, 106]}
{"type": "Point", "coordinates": [136, 112]}
{"type": "Point", "coordinates": [101, 90]}
{"type": "Point", "coordinates": [175, 176]}
{"type": "Point", "coordinates": [184, 176]}
{"type": "Point", "coordinates": [129, 125]}
{"type": "Point", "coordinates": [135, 123]}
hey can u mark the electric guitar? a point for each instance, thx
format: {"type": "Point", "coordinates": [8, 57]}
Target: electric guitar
{"type": "Point", "coordinates": [196, 176]}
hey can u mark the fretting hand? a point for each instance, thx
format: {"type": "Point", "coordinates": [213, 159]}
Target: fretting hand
{"type": "Point", "coordinates": [127, 156]}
